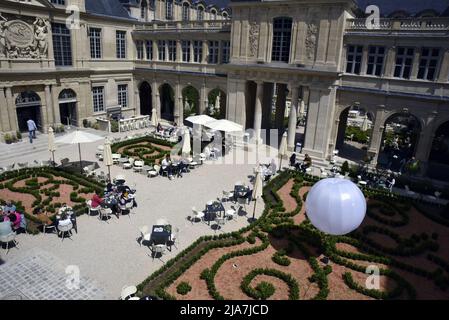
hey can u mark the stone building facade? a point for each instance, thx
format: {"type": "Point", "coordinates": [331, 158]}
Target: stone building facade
{"type": "Point", "coordinates": [145, 54]}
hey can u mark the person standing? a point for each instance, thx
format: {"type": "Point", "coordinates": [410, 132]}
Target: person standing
{"type": "Point", "coordinates": [31, 129]}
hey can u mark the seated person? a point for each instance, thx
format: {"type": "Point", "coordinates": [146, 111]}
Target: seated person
{"type": "Point", "coordinates": [39, 214]}
{"type": "Point", "coordinates": [307, 163]}
{"type": "Point", "coordinates": [96, 200]}
{"type": "Point", "coordinates": [272, 167]}
{"type": "Point", "coordinates": [159, 128]}
{"type": "Point", "coordinates": [9, 207]}
{"type": "Point", "coordinates": [166, 165]}
{"type": "Point", "coordinates": [5, 226]}
{"type": "Point", "coordinates": [63, 208]}
{"type": "Point", "coordinates": [293, 160]}
{"type": "Point", "coordinates": [15, 219]}
{"type": "Point", "coordinates": [109, 187]}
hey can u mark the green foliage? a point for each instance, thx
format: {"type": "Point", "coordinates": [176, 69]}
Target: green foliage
{"type": "Point", "coordinates": [114, 126]}
{"type": "Point", "coordinates": [183, 288]}
{"type": "Point", "coordinates": [265, 290]}
{"type": "Point", "coordinates": [280, 258]}
{"type": "Point", "coordinates": [19, 135]}
{"type": "Point", "coordinates": [358, 135]}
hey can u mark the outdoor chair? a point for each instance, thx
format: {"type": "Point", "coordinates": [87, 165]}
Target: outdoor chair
{"type": "Point", "coordinates": [242, 204]}
{"type": "Point", "coordinates": [23, 165]}
{"type": "Point", "coordinates": [323, 173]}
{"type": "Point", "coordinates": [129, 164]}
{"type": "Point", "coordinates": [230, 214]}
{"type": "Point", "coordinates": [219, 222]}
{"type": "Point", "coordinates": [90, 208]}
{"type": "Point", "coordinates": [138, 166]}
{"type": "Point", "coordinates": [144, 234]}
{"type": "Point", "coordinates": [104, 213]}
{"type": "Point", "coordinates": [158, 249]}
{"type": "Point", "coordinates": [164, 172]}
{"type": "Point", "coordinates": [155, 172]}
{"type": "Point", "coordinates": [228, 196]}
{"type": "Point", "coordinates": [63, 230]}
{"type": "Point", "coordinates": [197, 215]}
{"type": "Point", "coordinates": [128, 292]}
{"type": "Point", "coordinates": [8, 239]}
{"type": "Point", "coordinates": [174, 237]}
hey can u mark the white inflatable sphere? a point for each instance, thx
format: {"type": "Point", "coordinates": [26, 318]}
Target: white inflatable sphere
{"type": "Point", "coordinates": [335, 206]}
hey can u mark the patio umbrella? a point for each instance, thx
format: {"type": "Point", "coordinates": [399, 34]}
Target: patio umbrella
{"type": "Point", "coordinates": [78, 137]}
{"type": "Point", "coordinates": [365, 124]}
{"type": "Point", "coordinates": [224, 125]}
{"type": "Point", "coordinates": [186, 143]}
{"type": "Point", "coordinates": [257, 191]}
{"type": "Point", "coordinates": [282, 149]}
{"type": "Point", "coordinates": [154, 119]}
{"type": "Point", "coordinates": [107, 156]}
{"type": "Point", "coordinates": [51, 143]}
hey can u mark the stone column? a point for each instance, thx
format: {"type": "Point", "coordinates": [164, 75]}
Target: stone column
{"type": "Point", "coordinates": [364, 60]}
{"type": "Point", "coordinates": [415, 68]}
{"type": "Point", "coordinates": [376, 136]}
{"type": "Point", "coordinates": [49, 102]}
{"type": "Point", "coordinates": [258, 111]}
{"type": "Point", "coordinates": [156, 101]}
{"type": "Point", "coordinates": [203, 98]}
{"type": "Point", "coordinates": [4, 116]}
{"type": "Point", "coordinates": [293, 117]}
{"type": "Point", "coordinates": [390, 61]}
{"type": "Point", "coordinates": [178, 51]}
{"type": "Point", "coordinates": [155, 51]}
{"type": "Point", "coordinates": [179, 109]}
{"type": "Point", "coordinates": [13, 126]}
{"type": "Point", "coordinates": [137, 110]}
{"type": "Point", "coordinates": [425, 142]}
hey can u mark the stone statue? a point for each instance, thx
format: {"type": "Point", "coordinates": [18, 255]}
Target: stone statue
{"type": "Point", "coordinates": [311, 40]}
{"type": "Point", "coordinates": [2, 36]}
{"type": "Point", "coordinates": [253, 38]}
{"type": "Point", "coordinates": [41, 28]}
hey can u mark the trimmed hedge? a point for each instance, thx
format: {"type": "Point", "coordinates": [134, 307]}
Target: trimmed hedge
{"type": "Point", "coordinates": [257, 294]}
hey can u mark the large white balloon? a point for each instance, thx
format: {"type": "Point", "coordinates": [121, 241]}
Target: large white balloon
{"type": "Point", "coordinates": [336, 206]}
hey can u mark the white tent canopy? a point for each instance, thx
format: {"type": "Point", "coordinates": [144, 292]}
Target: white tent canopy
{"type": "Point", "coordinates": [201, 119]}
{"type": "Point", "coordinates": [224, 125]}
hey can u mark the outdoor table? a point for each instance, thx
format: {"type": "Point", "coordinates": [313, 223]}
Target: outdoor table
{"type": "Point", "coordinates": [160, 234]}
{"type": "Point", "coordinates": [240, 191]}
{"type": "Point", "coordinates": [213, 210]}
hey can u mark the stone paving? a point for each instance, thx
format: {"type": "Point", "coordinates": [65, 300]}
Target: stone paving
{"type": "Point", "coordinates": [37, 274]}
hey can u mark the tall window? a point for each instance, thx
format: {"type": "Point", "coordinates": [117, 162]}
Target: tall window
{"type": "Point", "coordinates": [120, 42]}
{"type": "Point", "coordinates": [171, 50]}
{"type": "Point", "coordinates": [282, 33]}
{"type": "Point", "coordinates": [185, 45]}
{"type": "Point", "coordinates": [214, 49]}
{"type": "Point", "coordinates": [404, 62]}
{"type": "Point", "coordinates": [354, 59]}
{"type": "Point", "coordinates": [139, 48]}
{"type": "Point", "coordinates": [60, 2]}
{"type": "Point", "coordinates": [225, 51]}
{"type": "Point", "coordinates": [185, 11]}
{"type": "Point", "coordinates": [149, 47]}
{"type": "Point", "coordinates": [376, 57]}
{"type": "Point", "coordinates": [200, 13]}
{"type": "Point", "coordinates": [95, 43]}
{"type": "Point", "coordinates": [122, 95]}
{"type": "Point", "coordinates": [62, 46]}
{"type": "Point", "coordinates": [428, 63]}
{"type": "Point", "coordinates": [161, 50]}
{"type": "Point", "coordinates": [169, 9]}
{"type": "Point", "coordinates": [98, 98]}
{"type": "Point", "coordinates": [197, 51]}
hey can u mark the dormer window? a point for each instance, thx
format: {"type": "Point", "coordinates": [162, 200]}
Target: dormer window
{"type": "Point", "coordinates": [185, 11]}
{"type": "Point", "coordinates": [213, 14]}
{"type": "Point", "coordinates": [169, 9]}
{"type": "Point", "coordinates": [200, 13]}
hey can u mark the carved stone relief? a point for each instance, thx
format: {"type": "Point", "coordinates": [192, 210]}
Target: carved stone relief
{"type": "Point", "coordinates": [253, 38]}
{"type": "Point", "coordinates": [19, 39]}
{"type": "Point", "coordinates": [311, 39]}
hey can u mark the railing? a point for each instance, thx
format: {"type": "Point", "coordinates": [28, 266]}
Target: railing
{"type": "Point", "coordinates": [184, 25]}
{"type": "Point", "coordinates": [409, 24]}
{"type": "Point", "coordinates": [134, 123]}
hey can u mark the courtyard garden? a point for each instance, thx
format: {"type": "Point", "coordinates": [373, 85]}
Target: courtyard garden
{"type": "Point", "coordinates": [149, 149]}
{"type": "Point", "coordinates": [46, 188]}
{"type": "Point", "coordinates": [282, 256]}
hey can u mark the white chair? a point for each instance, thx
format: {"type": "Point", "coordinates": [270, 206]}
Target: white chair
{"type": "Point", "coordinates": [129, 164]}
{"type": "Point", "coordinates": [138, 165]}
{"type": "Point", "coordinates": [105, 213]}
{"type": "Point", "coordinates": [8, 239]}
{"type": "Point", "coordinates": [197, 215]}
{"type": "Point", "coordinates": [230, 214]}
{"type": "Point", "coordinates": [174, 237]}
{"type": "Point", "coordinates": [323, 173]}
{"type": "Point", "coordinates": [115, 158]}
{"type": "Point", "coordinates": [155, 172]}
{"type": "Point", "coordinates": [144, 234]}
{"type": "Point", "coordinates": [128, 292]}
{"type": "Point", "coordinates": [92, 209]}
{"type": "Point", "coordinates": [158, 249]}
{"type": "Point", "coordinates": [228, 196]}
{"type": "Point", "coordinates": [65, 229]}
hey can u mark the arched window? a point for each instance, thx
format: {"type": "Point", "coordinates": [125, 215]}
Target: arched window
{"type": "Point", "coordinates": [200, 13]}
{"type": "Point", "coordinates": [213, 14]}
{"type": "Point", "coordinates": [185, 11]}
{"type": "Point", "coordinates": [225, 15]}
{"type": "Point", "coordinates": [282, 33]}
{"type": "Point", "coordinates": [169, 9]}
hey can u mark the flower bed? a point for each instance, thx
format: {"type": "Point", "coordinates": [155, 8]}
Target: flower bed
{"type": "Point", "coordinates": [280, 255]}
{"type": "Point", "coordinates": [46, 188]}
